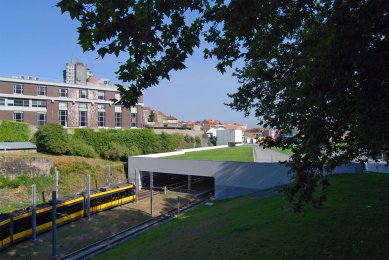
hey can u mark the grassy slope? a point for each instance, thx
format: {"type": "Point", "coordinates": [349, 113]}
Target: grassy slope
{"type": "Point", "coordinates": [235, 154]}
{"type": "Point", "coordinates": [353, 224]}
{"type": "Point", "coordinates": [73, 171]}
{"type": "Point", "coordinates": [280, 150]}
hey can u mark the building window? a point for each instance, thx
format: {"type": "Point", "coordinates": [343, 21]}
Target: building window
{"type": "Point", "coordinates": [39, 103]}
{"type": "Point", "coordinates": [41, 90]}
{"type": "Point", "coordinates": [2, 102]}
{"type": "Point", "coordinates": [82, 106]}
{"type": "Point", "coordinates": [18, 116]}
{"type": "Point", "coordinates": [83, 93]}
{"type": "Point", "coordinates": [63, 117]}
{"type": "Point", "coordinates": [118, 119]}
{"type": "Point", "coordinates": [18, 102]}
{"type": "Point", "coordinates": [83, 119]}
{"type": "Point", "coordinates": [41, 118]}
{"type": "Point", "coordinates": [101, 94]}
{"type": "Point", "coordinates": [101, 119]}
{"type": "Point", "coordinates": [63, 92]}
{"type": "Point", "coordinates": [134, 119]}
{"type": "Point", "coordinates": [18, 89]}
{"type": "Point", "coordinates": [101, 107]}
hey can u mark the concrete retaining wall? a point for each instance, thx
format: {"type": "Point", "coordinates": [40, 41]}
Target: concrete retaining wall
{"type": "Point", "coordinates": [232, 179]}
{"type": "Point", "coordinates": [377, 167]}
{"type": "Point", "coordinates": [14, 166]}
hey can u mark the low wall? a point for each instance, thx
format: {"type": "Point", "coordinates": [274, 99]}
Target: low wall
{"type": "Point", "coordinates": [184, 151]}
{"type": "Point", "coordinates": [158, 155]}
{"type": "Point", "coordinates": [14, 166]}
{"type": "Point", "coordinates": [377, 167]}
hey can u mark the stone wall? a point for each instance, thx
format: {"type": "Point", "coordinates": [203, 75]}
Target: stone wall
{"type": "Point", "coordinates": [33, 166]}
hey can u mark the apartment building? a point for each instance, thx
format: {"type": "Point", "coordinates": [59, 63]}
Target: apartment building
{"type": "Point", "coordinates": [28, 99]}
{"type": "Point", "coordinates": [76, 72]}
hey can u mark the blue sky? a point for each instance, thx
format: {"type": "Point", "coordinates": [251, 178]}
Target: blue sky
{"type": "Point", "coordinates": [36, 40]}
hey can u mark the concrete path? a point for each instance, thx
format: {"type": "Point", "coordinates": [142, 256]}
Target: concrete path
{"type": "Point", "coordinates": [267, 155]}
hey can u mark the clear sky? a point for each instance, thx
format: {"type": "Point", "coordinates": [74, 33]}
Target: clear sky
{"type": "Point", "coordinates": [36, 40]}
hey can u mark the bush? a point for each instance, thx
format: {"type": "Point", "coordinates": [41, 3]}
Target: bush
{"type": "Point", "coordinates": [14, 132]}
{"type": "Point", "coordinates": [79, 148]}
{"type": "Point", "coordinates": [116, 152]}
{"type": "Point", "coordinates": [198, 141]}
{"type": "Point", "coordinates": [136, 141]}
{"type": "Point", "coordinates": [52, 138]}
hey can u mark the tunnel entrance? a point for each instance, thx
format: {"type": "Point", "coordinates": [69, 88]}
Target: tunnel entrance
{"type": "Point", "coordinates": [191, 184]}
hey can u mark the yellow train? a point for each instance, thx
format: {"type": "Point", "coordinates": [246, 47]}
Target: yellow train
{"type": "Point", "coordinates": [17, 226]}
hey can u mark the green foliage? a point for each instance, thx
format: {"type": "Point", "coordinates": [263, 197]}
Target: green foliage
{"type": "Point", "coordinates": [52, 138]}
{"type": "Point", "coordinates": [156, 34]}
{"type": "Point", "coordinates": [11, 131]}
{"type": "Point", "coordinates": [198, 141]}
{"type": "Point", "coordinates": [41, 181]}
{"type": "Point", "coordinates": [213, 140]}
{"type": "Point", "coordinates": [316, 66]}
{"type": "Point", "coordinates": [79, 148]}
{"type": "Point", "coordinates": [114, 143]}
{"type": "Point", "coordinates": [189, 139]}
{"type": "Point", "coordinates": [116, 152]}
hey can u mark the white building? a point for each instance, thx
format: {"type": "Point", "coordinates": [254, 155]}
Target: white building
{"type": "Point", "coordinates": [226, 136]}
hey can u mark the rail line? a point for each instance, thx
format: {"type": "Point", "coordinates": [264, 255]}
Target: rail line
{"type": "Point", "coordinates": [107, 243]}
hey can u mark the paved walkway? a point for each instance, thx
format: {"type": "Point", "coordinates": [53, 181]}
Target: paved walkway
{"type": "Point", "coordinates": [267, 155]}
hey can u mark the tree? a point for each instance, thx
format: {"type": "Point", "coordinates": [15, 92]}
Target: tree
{"type": "Point", "coordinates": [320, 67]}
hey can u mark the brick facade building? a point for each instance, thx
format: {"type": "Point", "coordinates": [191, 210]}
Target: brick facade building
{"type": "Point", "coordinates": [39, 102]}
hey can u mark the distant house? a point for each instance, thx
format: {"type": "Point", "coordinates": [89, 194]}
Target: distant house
{"type": "Point", "coordinates": [226, 136]}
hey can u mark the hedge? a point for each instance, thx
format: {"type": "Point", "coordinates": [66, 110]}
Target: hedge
{"type": "Point", "coordinates": [11, 131]}
{"type": "Point", "coordinates": [143, 141]}
{"type": "Point", "coordinates": [113, 144]}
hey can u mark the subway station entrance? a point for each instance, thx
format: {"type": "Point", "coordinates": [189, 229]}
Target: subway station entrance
{"type": "Point", "coordinates": [194, 185]}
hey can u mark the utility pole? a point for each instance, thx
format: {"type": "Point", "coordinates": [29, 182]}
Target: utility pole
{"type": "Point", "coordinates": [178, 205]}
{"type": "Point", "coordinates": [88, 201]}
{"type": "Point", "coordinates": [151, 194]}
{"type": "Point", "coordinates": [54, 225]}
{"type": "Point", "coordinates": [136, 185]}
{"type": "Point", "coordinates": [189, 182]}
{"type": "Point", "coordinates": [109, 175]}
{"type": "Point", "coordinates": [33, 215]}
{"type": "Point", "coordinates": [56, 180]}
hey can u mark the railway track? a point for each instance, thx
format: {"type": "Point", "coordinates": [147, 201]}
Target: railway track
{"type": "Point", "coordinates": [112, 241]}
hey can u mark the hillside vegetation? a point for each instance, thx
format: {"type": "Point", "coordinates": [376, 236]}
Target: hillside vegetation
{"type": "Point", "coordinates": [351, 225]}
{"type": "Point", "coordinates": [15, 191]}
{"type": "Point", "coordinates": [112, 144]}
{"type": "Point", "coordinates": [11, 131]}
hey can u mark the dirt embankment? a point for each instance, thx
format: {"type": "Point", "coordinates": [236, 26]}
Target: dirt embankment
{"type": "Point", "coordinates": [15, 187]}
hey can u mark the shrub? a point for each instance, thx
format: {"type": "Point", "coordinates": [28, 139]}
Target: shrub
{"type": "Point", "coordinates": [79, 148]}
{"type": "Point", "coordinates": [136, 141]}
{"type": "Point", "coordinates": [52, 138]}
{"type": "Point", "coordinates": [116, 152]}
{"type": "Point", "coordinates": [14, 132]}
{"type": "Point", "coordinates": [198, 141]}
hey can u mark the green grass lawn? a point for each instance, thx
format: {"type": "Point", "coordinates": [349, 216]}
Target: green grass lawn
{"type": "Point", "coordinates": [234, 154]}
{"type": "Point", "coordinates": [353, 224]}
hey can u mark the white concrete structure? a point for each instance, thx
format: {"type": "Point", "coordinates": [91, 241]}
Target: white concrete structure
{"type": "Point", "coordinates": [226, 136]}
